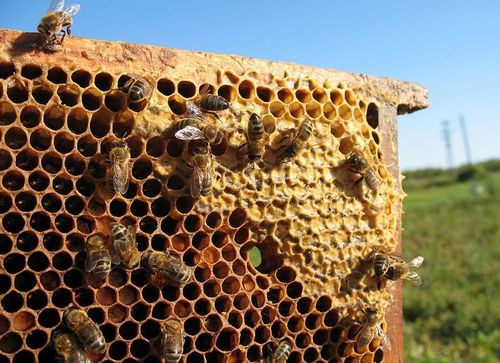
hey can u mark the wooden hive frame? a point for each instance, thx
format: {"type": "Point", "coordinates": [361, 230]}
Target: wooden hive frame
{"type": "Point", "coordinates": [58, 114]}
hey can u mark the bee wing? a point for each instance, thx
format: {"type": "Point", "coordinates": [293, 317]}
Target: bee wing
{"type": "Point", "coordinates": [414, 278]}
{"type": "Point", "coordinates": [193, 110]}
{"type": "Point", "coordinates": [416, 262]}
{"type": "Point", "coordinates": [77, 355]}
{"type": "Point", "coordinates": [120, 177]}
{"type": "Point", "coordinates": [384, 339]}
{"type": "Point", "coordinates": [90, 263]}
{"type": "Point", "coordinates": [190, 133]}
{"type": "Point", "coordinates": [71, 10]}
{"type": "Point", "coordinates": [132, 230]}
{"type": "Point", "coordinates": [56, 5]}
{"type": "Point", "coordinates": [115, 258]}
{"type": "Point", "coordinates": [196, 182]}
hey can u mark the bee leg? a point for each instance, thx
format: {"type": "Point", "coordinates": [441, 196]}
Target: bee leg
{"type": "Point", "coordinates": [359, 180]}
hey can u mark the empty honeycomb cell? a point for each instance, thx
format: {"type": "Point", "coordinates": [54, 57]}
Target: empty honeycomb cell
{"type": "Point", "coordinates": [100, 123]}
{"type": "Point", "coordinates": [265, 94]}
{"type": "Point", "coordinates": [303, 95]}
{"type": "Point", "coordinates": [7, 69]}
{"type": "Point", "coordinates": [262, 334]}
{"type": "Point", "coordinates": [194, 357]}
{"type": "Point", "coordinates": [97, 168]}
{"type": "Point", "coordinates": [277, 109]}
{"type": "Point", "coordinates": [13, 180]}
{"type": "Point", "coordinates": [241, 301]}
{"type": "Point", "coordinates": [11, 342]}
{"type": "Point", "coordinates": [175, 148]}
{"type": "Point", "coordinates": [75, 242]}
{"type": "Point", "coordinates": [229, 253]}
{"type": "Point", "coordinates": [238, 267]}
{"type": "Point", "coordinates": [177, 104]}
{"type": "Point", "coordinates": [228, 92]}
{"type": "Point", "coordinates": [275, 294]}
{"type": "Point", "coordinates": [170, 226]}
{"type": "Point", "coordinates": [6, 202]}
{"type": "Point", "coordinates": [251, 318]}
{"type": "Point", "coordinates": [296, 109]}
{"type": "Point", "coordinates": [92, 99]}
{"type": "Point", "coordinates": [128, 330]}
{"type": "Point", "coordinates": [337, 129]}
{"type": "Point", "coordinates": [222, 304]}
{"type": "Point", "coordinates": [248, 283]}
{"type": "Point", "coordinates": [49, 318]}
{"type": "Point", "coordinates": [294, 290]}
{"type": "Point", "coordinates": [286, 274]}
{"type": "Point", "coordinates": [139, 277]}
{"type": "Point", "coordinates": [5, 284]}
{"type": "Point", "coordinates": [85, 186]}
{"type": "Point", "coordinates": [36, 339]}
{"type": "Point", "coordinates": [54, 117]}
{"type": "Point", "coordinates": [221, 270]}
{"type": "Point", "coordinates": [57, 75]}
{"type": "Point", "coordinates": [311, 355]}
{"type": "Point", "coordinates": [148, 225]}
{"type": "Point", "coordinates": [5, 244]}
{"type": "Point", "coordinates": [320, 95]}
{"type": "Point", "coordinates": [7, 113]}
{"type": "Point", "coordinates": [201, 307]}
{"type": "Point", "coordinates": [253, 353]}
{"type": "Point", "coordinates": [304, 305]}
{"type": "Point", "coordinates": [313, 109]}
{"type": "Point", "coordinates": [62, 297]}
{"type": "Point", "coordinates": [376, 137]}
{"type": "Point", "coordinates": [30, 116]}
{"type": "Point", "coordinates": [170, 292]}
{"type": "Point", "coordinates": [13, 222]}
{"type": "Point", "coordinates": [14, 263]}
{"type": "Point", "coordinates": [136, 145]}
{"type": "Point", "coordinates": [73, 278]}
{"type": "Point", "coordinates": [142, 168]}
{"type": "Point", "coordinates": [24, 281]}
{"type": "Point", "coordinates": [5, 159]}
{"type": "Point", "coordinates": [346, 145]}
{"type": "Point", "coordinates": [27, 160]}
{"type": "Point", "coordinates": [320, 337]}
{"type": "Point", "coordinates": [186, 89]}
{"type": "Point", "coordinates": [159, 242]}
{"type": "Point", "coordinates": [42, 93]}
{"type": "Point", "coordinates": [118, 208]}
{"type": "Point", "coordinates": [165, 86]}
{"type": "Point", "coordinates": [50, 280]}
{"type": "Point", "coordinates": [103, 81]}
{"type": "Point", "coordinates": [27, 241]}
{"type": "Point", "coordinates": [313, 321]}
{"type": "Point", "coordinates": [337, 334]}
{"type": "Point", "coordinates": [36, 299]}
{"type": "Point", "coordinates": [161, 310]}
{"type": "Point", "coordinates": [12, 302]}
{"type": "Point", "coordinates": [81, 78]}
{"type": "Point", "coordinates": [31, 71]}
{"type": "Point", "coordinates": [15, 138]}
{"type": "Point", "coordinates": [128, 295]}
{"type": "Point", "coordinates": [18, 92]}
{"type": "Point", "coordinates": [51, 162]}
{"type": "Point", "coordinates": [191, 257]}
{"type": "Point", "coordinates": [38, 261]}
{"type": "Point", "coordinates": [64, 142]}
{"type": "Point", "coordinates": [46, 354]}
{"type": "Point", "coordinates": [183, 308]}
{"type": "Point", "coordinates": [151, 328]}
{"type": "Point", "coordinates": [278, 329]}
{"type": "Point", "coordinates": [235, 319]}
{"type": "Point", "coordinates": [328, 351]}
{"type": "Point", "coordinates": [227, 339]}
{"type": "Point", "coordinates": [68, 94]}
{"type": "Point", "coordinates": [118, 350]}
{"type": "Point", "coordinates": [62, 261]}
{"type": "Point", "coordinates": [204, 342]}
{"type": "Point", "coordinates": [115, 101]}
{"type": "Point", "coordinates": [64, 223]}
{"type": "Point", "coordinates": [78, 121]}
{"type": "Point", "coordinates": [38, 181]}
{"type": "Point", "coordinates": [246, 89]}
{"type": "Point", "coordinates": [84, 296]}
{"type": "Point", "coordinates": [231, 285]}
{"type": "Point", "coordinates": [140, 348]}
{"type": "Point", "coordinates": [336, 97]}
{"type": "Point", "coordinates": [258, 299]}
{"type": "Point", "coordinates": [345, 112]}
{"type": "Point", "coordinates": [286, 308]}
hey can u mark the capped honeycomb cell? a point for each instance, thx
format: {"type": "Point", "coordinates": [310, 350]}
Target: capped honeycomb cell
{"type": "Point", "coordinates": [306, 216]}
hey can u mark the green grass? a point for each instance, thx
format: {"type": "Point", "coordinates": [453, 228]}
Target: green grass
{"type": "Point", "coordinates": [455, 315]}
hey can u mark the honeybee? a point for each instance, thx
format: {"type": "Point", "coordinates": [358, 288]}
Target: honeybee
{"type": "Point", "coordinates": [172, 341]}
{"type": "Point", "coordinates": [281, 353]}
{"type": "Point", "coordinates": [169, 266]}
{"type": "Point", "coordinates": [359, 164]}
{"type": "Point", "coordinates": [119, 156]}
{"type": "Point", "coordinates": [98, 259]}
{"type": "Point", "coordinates": [209, 102]}
{"type": "Point", "coordinates": [197, 129]}
{"type": "Point", "coordinates": [370, 328]}
{"type": "Point", "coordinates": [201, 180]}
{"type": "Point", "coordinates": [137, 88]}
{"type": "Point", "coordinates": [86, 330]}
{"type": "Point", "coordinates": [56, 23]}
{"type": "Point", "coordinates": [394, 268]}
{"type": "Point", "coordinates": [303, 133]}
{"type": "Point", "coordinates": [255, 134]}
{"type": "Point", "coordinates": [68, 348]}
{"type": "Point", "coordinates": [124, 244]}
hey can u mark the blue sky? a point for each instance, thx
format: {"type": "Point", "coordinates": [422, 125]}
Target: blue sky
{"type": "Point", "coordinates": [451, 47]}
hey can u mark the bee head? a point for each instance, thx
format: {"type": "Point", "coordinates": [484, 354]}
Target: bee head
{"type": "Point", "coordinates": [356, 161]}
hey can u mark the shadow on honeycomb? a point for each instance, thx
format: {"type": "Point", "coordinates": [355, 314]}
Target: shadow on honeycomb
{"type": "Point", "coordinates": [309, 222]}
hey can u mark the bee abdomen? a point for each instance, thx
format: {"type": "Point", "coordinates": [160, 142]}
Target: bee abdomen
{"type": "Point", "coordinates": [365, 337]}
{"type": "Point", "coordinates": [172, 357]}
{"type": "Point", "coordinates": [255, 128]}
{"type": "Point", "coordinates": [305, 131]}
{"type": "Point", "coordinates": [380, 264]}
{"type": "Point", "coordinates": [96, 343]}
{"type": "Point", "coordinates": [214, 103]}
{"type": "Point", "coordinates": [136, 93]}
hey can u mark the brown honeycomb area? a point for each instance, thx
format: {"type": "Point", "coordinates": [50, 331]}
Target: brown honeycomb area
{"type": "Point", "coordinates": [60, 113]}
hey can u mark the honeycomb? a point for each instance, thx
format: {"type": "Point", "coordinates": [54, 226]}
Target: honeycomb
{"type": "Point", "coordinates": [314, 227]}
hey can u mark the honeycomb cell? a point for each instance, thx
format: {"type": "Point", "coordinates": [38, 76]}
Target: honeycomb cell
{"type": "Point", "coordinates": [81, 78]}
{"type": "Point", "coordinates": [262, 334]}
{"type": "Point", "coordinates": [31, 71]}
{"type": "Point", "coordinates": [18, 92]}
{"type": "Point", "coordinates": [5, 159]}
{"type": "Point", "coordinates": [51, 202]}
{"type": "Point", "coordinates": [38, 181]}
{"type": "Point", "coordinates": [62, 297]}
{"type": "Point", "coordinates": [64, 142]}
{"type": "Point", "coordinates": [7, 114]}
{"type": "Point", "coordinates": [49, 318]}
{"type": "Point", "coordinates": [54, 117]}
{"type": "Point", "coordinates": [118, 350]}
{"type": "Point", "coordinates": [251, 318]}
{"type": "Point", "coordinates": [15, 138]}
{"type": "Point", "coordinates": [12, 302]}
{"type": "Point", "coordinates": [128, 330]}
{"type": "Point", "coordinates": [6, 202]}
{"type": "Point", "coordinates": [92, 99]}
{"type": "Point", "coordinates": [275, 294]}
{"type": "Point", "coordinates": [27, 160]}
{"type": "Point", "coordinates": [265, 94]}
{"type": "Point", "coordinates": [11, 343]}
{"type": "Point", "coordinates": [51, 162]}
{"type": "Point", "coordinates": [222, 304]}
{"type": "Point", "coordinates": [166, 86]}
{"type": "Point", "coordinates": [68, 94]}
{"type": "Point", "coordinates": [24, 281]}
{"type": "Point", "coordinates": [36, 339]}
{"type": "Point", "coordinates": [13, 222]}
{"type": "Point", "coordinates": [13, 180]}
{"type": "Point", "coordinates": [64, 223]}
{"type": "Point", "coordinates": [202, 307]}
{"type": "Point", "coordinates": [128, 295]}
{"type": "Point", "coordinates": [246, 89]}
{"type": "Point", "coordinates": [78, 121]}
{"type": "Point", "coordinates": [277, 109]}
{"type": "Point", "coordinates": [14, 263]}
{"type": "Point", "coordinates": [75, 242]}
{"type": "Point", "coordinates": [42, 93]}
{"type": "Point", "coordinates": [100, 123]}
{"type": "Point", "coordinates": [204, 342]}
{"type": "Point", "coordinates": [30, 116]}
{"type": "Point", "coordinates": [36, 299]}
{"type": "Point", "coordinates": [161, 311]}
{"type": "Point", "coordinates": [50, 280]}
{"type": "Point", "coordinates": [140, 348]}
{"type": "Point", "coordinates": [228, 92]}
{"type": "Point", "coordinates": [253, 353]}
{"type": "Point", "coordinates": [183, 308]}
{"type": "Point", "coordinates": [103, 81]}
{"type": "Point", "coordinates": [180, 242]}
{"type": "Point", "coordinates": [5, 244]}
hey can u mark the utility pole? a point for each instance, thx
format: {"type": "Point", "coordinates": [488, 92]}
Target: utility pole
{"type": "Point", "coordinates": [468, 156]}
{"type": "Point", "coordinates": [447, 142]}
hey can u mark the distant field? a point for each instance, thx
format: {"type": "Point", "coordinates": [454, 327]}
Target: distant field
{"type": "Point", "coordinates": [455, 315]}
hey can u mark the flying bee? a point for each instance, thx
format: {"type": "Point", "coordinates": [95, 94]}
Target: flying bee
{"type": "Point", "coordinates": [201, 180]}
{"type": "Point", "coordinates": [86, 330]}
{"type": "Point", "coordinates": [255, 134]}
{"type": "Point", "coordinates": [172, 341]}
{"type": "Point", "coordinates": [281, 353]}
{"type": "Point", "coordinates": [56, 23]}
{"type": "Point", "coordinates": [98, 259]}
{"type": "Point", "coordinates": [137, 88]}
{"type": "Point", "coordinates": [361, 165]}
{"type": "Point", "coordinates": [119, 156]}
{"type": "Point", "coordinates": [125, 245]}
{"type": "Point", "coordinates": [68, 348]}
{"type": "Point", "coordinates": [197, 129]}
{"type": "Point", "coordinates": [399, 269]}
{"type": "Point", "coordinates": [303, 133]}
{"type": "Point", "coordinates": [167, 265]}
{"type": "Point", "coordinates": [209, 102]}
{"type": "Point", "coordinates": [370, 328]}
